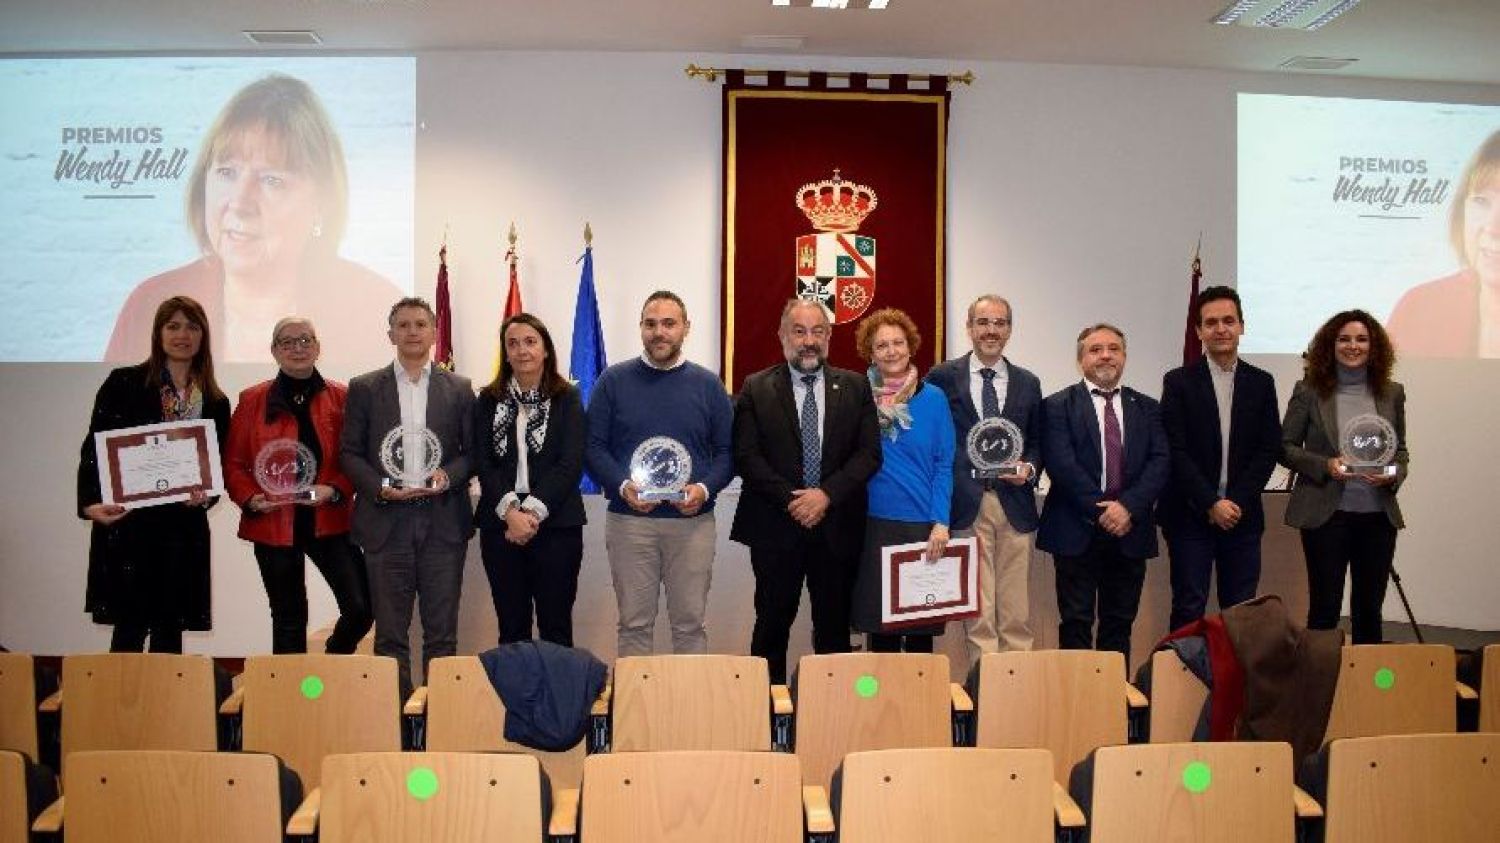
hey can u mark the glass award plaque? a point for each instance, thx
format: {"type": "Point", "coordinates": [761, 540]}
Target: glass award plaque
{"type": "Point", "coordinates": [995, 446]}
{"type": "Point", "coordinates": [410, 456]}
{"type": "Point", "coordinates": [1367, 445]}
{"type": "Point", "coordinates": [660, 469]}
{"type": "Point", "coordinates": [285, 470]}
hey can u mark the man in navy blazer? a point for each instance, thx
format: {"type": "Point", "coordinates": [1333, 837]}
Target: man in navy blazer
{"type": "Point", "coordinates": [1106, 454]}
{"type": "Point", "coordinates": [1001, 512]}
{"type": "Point", "coordinates": [1211, 510]}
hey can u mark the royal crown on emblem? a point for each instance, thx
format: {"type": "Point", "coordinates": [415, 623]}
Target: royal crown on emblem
{"type": "Point", "coordinates": [834, 204]}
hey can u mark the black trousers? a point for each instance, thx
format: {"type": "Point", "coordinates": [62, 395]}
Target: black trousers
{"type": "Point", "coordinates": [779, 575]}
{"type": "Point", "coordinates": [881, 642]}
{"type": "Point", "coordinates": [1196, 550]}
{"type": "Point", "coordinates": [539, 577]}
{"type": "Point", "coordinates": [284, 574]}
{"type": "Point", "coordinates": [1102, 576]}
{"type": "Point", "coordinates": [1363, 543]}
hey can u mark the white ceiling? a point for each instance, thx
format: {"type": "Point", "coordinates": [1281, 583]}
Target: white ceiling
{"type": "Point", "coordinates": [1436, 40]}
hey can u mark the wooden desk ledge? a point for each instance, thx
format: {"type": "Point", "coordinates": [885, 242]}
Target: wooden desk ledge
{"type": "Point", "coordinates": [416, 705]}
{"type": "Point", "coordinates": [600, 708]}
{"type": "Point", "coordinates": [1306, 806]}
{"type": "Point", "coordinates": [1134, 698]}
{"type": "Point", "coordinates": [564, 819]}
{"type": "Point", "coordinates": [781, 699]}
{"type": "Point", "coordinates": [1465, 692]}
{"type": "Point", "coordinates": [52, 704]}
{"type": "Point", "coordinates": [960, 698]}
{"type": "Point", "coordinates": [815, 809]}
{"type": "Point", "coordinates": [304, 822]}
{"type": "Point", "coordinates": [1067, 812]}
{"type": "Point", "coordinates": [50, 820]}
{"type": "Point", "coordinates": [234, 703]}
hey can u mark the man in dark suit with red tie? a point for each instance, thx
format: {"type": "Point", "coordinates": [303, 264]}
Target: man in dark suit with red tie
{"type": "Point", "coordinates": [1223, 430]}
{"type": "Point", "coordinates": [1106, 454]}
{"type": "Point", "coordinates": [806, 440]}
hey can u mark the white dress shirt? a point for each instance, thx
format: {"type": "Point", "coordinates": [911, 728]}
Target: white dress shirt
{"type": "Point", "coordinates": [820, 394]}
{"type": "Point", "coordinates": [976, 382]}
{"type": "Point", "coordinates": [412, 396]}
{"type": "Point", "coordinates": [1223, 381]}
{"type": "Point", "coordinates": [1099, 417]}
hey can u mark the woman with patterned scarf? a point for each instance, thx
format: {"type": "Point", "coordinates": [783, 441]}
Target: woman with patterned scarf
{"type": "Point", "coordinates": [529, 440]}
{"type": "Point", "coordinates": [149, 567]}
{"type": "Point", "coordinates": [910, 495]}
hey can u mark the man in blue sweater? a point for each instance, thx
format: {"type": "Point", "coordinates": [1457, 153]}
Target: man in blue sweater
{"type": "Point", "coordinates": [656, 544]}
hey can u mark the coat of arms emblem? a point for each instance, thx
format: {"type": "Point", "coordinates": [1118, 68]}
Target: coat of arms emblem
{"type": "Point", "coordinates": [836, 265]}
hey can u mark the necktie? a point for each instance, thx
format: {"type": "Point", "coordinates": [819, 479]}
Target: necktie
{"type": "Point", "coordinates": [1112, 445]}
{"type": "Point", "coordinates": [812, 450]}
{"type": "Point", "coordinates": [987, 395]}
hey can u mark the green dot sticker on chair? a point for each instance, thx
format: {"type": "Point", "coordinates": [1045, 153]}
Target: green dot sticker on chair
{"type": "Point", "coordinates": [1385, 678]}
{"type": "Point", "coordinates": [312, 687]}
{"type": "Point", "coordinates": [867, 686]}
{"type": "Point", "coordinates": [422, 783]}
{"type": "Point", "coordinates": [1196, 777]}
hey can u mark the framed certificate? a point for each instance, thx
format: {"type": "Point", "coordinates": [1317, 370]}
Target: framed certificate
{"type": "Point", "coordinates": [159, 463]}
{"type": "Point", "coordinates": [915, 592]}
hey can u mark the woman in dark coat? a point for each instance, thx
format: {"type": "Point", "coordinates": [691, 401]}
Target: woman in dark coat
{"type": "Point", "coordinates": [149, 567]}
{"type": "Point", "coordinates": [528, 442]}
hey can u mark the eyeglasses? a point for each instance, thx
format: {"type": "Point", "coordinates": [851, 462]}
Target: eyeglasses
{"type": "Point", "coordinates": [290, 343]}
{"type": "Point", "coordinates": [986, 322]}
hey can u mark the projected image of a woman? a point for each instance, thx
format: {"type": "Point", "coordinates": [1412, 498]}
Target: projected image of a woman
{"type": "Point", "coordinates": [1459, 315]}
{"type": "Point", "coordinates": [267, 203]}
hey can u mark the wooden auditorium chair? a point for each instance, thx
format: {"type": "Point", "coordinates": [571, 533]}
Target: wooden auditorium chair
{"type": "Point", "coordinates": [463, 713]}
{"type": "Point", "coordinates": [120, 796]}
{"type": "Point", "coordinates": [1413, 788]}
{"type": "Point", "coordinates": [303, 708]}
{"type": "Point", "coordinates": [694, 702]}
{"type": "Point", "coordinates": [1395, 689]}
{"type": "Point", "coordinates": [399, 797]}
{"type": "Point", "coordinates": [695, 796]}
{"type": "Point", "coordinates": [1178, 699]}
{"type": "Point", "coordinates": [18, 703]}
{"type": "Point", "coordinates": [1069, 702]}
{"type": "Point", "coordinates": [1489, 703]}
{"type": "Point", "coordinates": [957, 795]}
{"type": "Point", "coordinates": [849, 702]}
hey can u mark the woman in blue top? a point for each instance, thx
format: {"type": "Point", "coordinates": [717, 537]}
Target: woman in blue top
{"type": "Point", "coordinates": [909, 497]}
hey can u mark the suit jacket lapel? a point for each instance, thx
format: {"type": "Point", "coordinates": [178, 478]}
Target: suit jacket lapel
{"type": "Point", "coordinates": [833, 413]}
{"type": "Point", "coordinates": [1328, 413]}
{"type": "Point", "coordinates": [1134, 424]}
{"type": "Point", "coordinates": [781, 388]}
{"type": "Point", "coordinates": [1086, 417]}
{"type": "Point", "coordinates": [1203, 381]}
{"type": "Point", "coordinates": [965, 380]}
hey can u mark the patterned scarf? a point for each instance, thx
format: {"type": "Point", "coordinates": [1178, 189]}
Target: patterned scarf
{"type": "Point", "coordinates": [503, 426]}
{"type": "Point", "coordinates": [891, 399]}
{"type": "Point", "coordinates": [180, 406]}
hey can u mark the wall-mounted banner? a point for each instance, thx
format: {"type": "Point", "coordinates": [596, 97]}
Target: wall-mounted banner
{"type": "Point", "coordinates": [835, 195]}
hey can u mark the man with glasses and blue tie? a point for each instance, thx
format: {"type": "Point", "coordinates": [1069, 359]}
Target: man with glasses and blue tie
{"type": "Point", "coordinates": [1001, 512]}
{"type": "Point", "coordinates": [1107, 457]}
{"type": "Point", "coordinates": [806, 441]}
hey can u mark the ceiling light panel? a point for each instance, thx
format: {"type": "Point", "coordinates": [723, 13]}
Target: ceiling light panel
{"type": "Point", "coordinates": [1283, 14]}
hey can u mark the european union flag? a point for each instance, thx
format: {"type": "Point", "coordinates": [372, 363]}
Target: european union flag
{"type": "Point", "coordinates": [587, 361]}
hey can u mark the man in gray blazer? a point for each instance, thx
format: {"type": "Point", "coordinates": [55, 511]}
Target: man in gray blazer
{"type": "Point", "coordinates": [1001, 512]}
{"type": "Point", "coordinates": [413, 535]}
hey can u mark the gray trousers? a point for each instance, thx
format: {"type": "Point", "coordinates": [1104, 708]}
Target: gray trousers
{"type": "Point", "coordinates": [647, 554]}
{"type": "Point", "coordinates": [415, 567]}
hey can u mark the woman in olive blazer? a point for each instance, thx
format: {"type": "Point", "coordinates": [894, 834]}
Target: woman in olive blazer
{"type": "Point", "coordinates": [1348, 521]}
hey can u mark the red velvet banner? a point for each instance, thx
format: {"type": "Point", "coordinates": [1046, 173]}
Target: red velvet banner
{"type": "Point", "coordinates": [835, 195]}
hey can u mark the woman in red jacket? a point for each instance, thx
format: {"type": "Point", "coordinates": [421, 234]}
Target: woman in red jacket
{"type": "Point", "coordinates": [297, 407]}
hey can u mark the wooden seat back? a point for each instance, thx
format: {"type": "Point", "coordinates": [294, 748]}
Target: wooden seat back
{"type": "Point", "coordinates": [395, 797]}
{"type": "Point", "coordinates": [848, 702]}
{"type": "Point", "coordinates": [959, 795]}
{"type": "Point", "coordinates": [18, 704]}
{"type": "Point", "coordinates": [137, 701]}
{"type": "Point", "coordinates": [691, 797]}
{"type": "Point", "coordinates": [1489, 698]}
{"type": "Point", "coordinates": [1413, 788]}
{"type": "Point", "coordinates": [1178, 699]}
{"type": "Point", "coordinates": [227, 797]}
{"type": "Point", "coordinates": [464, 714]}
{"type": "Point", "coordinates": [1393, 689]}
{"type": "Point", "coordinates": [691, 702]}
{"type": "Point", "coordinates": [303, 708]}
{"type": "Point", "coordinates": [1069, 702]}
{"type": "Point", "coordinates": [1204, 792]}
{"type": "Point", "coordinates": [15, 826]}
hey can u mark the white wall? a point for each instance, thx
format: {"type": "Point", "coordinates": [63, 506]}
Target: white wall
{"type": "Point", "coordinates": [1077, 192]}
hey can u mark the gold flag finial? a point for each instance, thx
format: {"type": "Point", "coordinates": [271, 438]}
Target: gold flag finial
{"type": "Point", "coordinates": [588, 235]}
{"type": "Point", "coordinates": [512, 235]}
